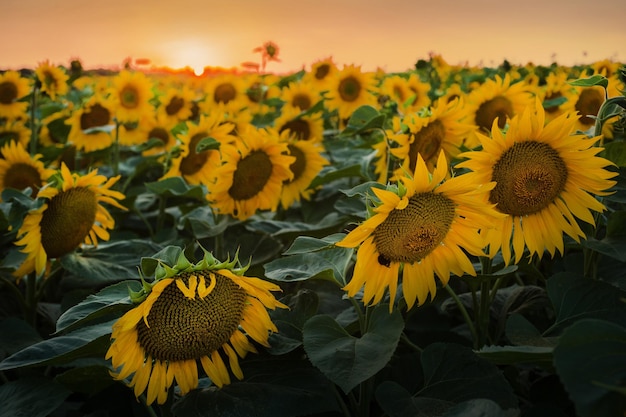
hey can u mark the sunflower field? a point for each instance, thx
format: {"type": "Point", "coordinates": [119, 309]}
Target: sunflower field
{"type": "Point", "coordinates": [445, 241]}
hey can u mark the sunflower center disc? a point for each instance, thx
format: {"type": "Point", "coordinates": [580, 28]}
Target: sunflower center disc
{"type": "Point", "coordinates": [174, 106]}
{"type": "Point", "coordinates": [301, 100]}
{"type": "Point", "coordinates": [299, 165]}
{"type": "Point", "coordinates": [588, 104]}
{"type": "Point", "coordinates": [67, 220]}
{"type": "Point", "coordinates": [8, 92]}
{"type": "Point", "coordinates": [224, 93]}
{"type": "Point", "coordinates": [298, 127]}
{"type": "Point", "coordinates": [410, 234]}
{"type": "Point", "coordinates": [21, 175]}
{"type": "Point", "coordinates": [487, 112]}
{"type": "Point", "coordinates": [129, 97]}
{"type": "Point", "coordinates": [96, 116]}
{"type": "Point", "coordinates": [528, 176]}
{"type": "Point", "coordinates": [427, 142]}
{"type": "Point", "coordinates": [194, 161]}
{"type": "Point", "coordinates": [182, 328]}
{"type": "Point", "coordinates": [251, 175]}
{"type": "Point", "coordinates": [349, 89]}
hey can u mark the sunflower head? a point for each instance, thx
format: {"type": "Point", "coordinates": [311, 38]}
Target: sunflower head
{"type": "Point", "coordinates": [191, 312]}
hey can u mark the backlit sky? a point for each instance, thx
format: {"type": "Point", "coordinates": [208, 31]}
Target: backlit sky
{"type": "Point", "coordinates": [390, 34]}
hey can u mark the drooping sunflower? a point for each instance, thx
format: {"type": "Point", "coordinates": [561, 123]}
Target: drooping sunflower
{"type": "Point", "coordinates": [252, 174]}
{"type": "Point", "coordinates": [13, 87]}
{"type": "Point", "coordinates": [442, 127]}
{"type": "Point", "coordinates": [303, 127]}
{"type": "Point", "coordinates": [18, 170]}
{"type": "Point", "coordinates": [497, 99]}
{"type": "Point", "coordinates": [547, 178]}
{"type": "Point", "coordinates": [350, 89]}
{"type": "Point", "coordinates": [199, 167]}
{"type": "Point", "coordinates": [72, 214]}
{"type": "Point", "coordinates": [309, 162]}
{"type": "Point", "coordinates": [130, 96]}
{"type": "Point", "coordinates": [192, 312]}
{"type": "Point", "coordinates": [91, 125]}
{"type": "Point", "coordinates": [424, 226]}
{"type": "Point", "coordinates": [52, 78]}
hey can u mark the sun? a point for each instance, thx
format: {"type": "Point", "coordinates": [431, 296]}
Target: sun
{"type": "Point", "coordinates": [192, 54]}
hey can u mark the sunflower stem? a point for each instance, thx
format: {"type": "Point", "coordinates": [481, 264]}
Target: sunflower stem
{"type": "Point", "coordinates": [149, 408]}
{"type": "Point", "coordinates": [410, 344]}
{"type": "Point", "coordinates": [464, 313]}
{"type": "Point", "coordinates": [359, 313]}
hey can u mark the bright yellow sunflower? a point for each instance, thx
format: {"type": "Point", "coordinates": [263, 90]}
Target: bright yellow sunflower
{"type": "Point", "coordinates": [71, 215]}
{"type": "Point", "coordinates": [321, 74]}
{"type": "Point", "coordinates": [15, 131]}
{"type": "Point", "coordinates": [53, 79]}
{"type": "Point", "coordinates": [442, 127]}
{"type": "Point", "coordinates": [497, 99]}
{"type": "Point", "coordinates": [587, 102]}
{"type": "Point", "coordinates": [303, 127]}
{"type": "Point", "coordinates": [252, 174]}
{"type": "Point", "coordinates": [418, 97]}
{"type": "Point", "coordinates": [547, 178]}
{"type": "Point", "coordinates": [13, 88]}
{"type": "Point", "coordinates": [301, 95]}
{"type": "Point", "coordinates": [199, 167]}
{"type": "Point", "coordinates": [424, 226]}
{"type": "Point", "coordinates": [176, 103]}
{"type": "Point", "coordinates": [555, 93]}
{"type": "Point", "coordinates": [224, 93]}
{"type": "Point", "coordinates": [309, 162]}
{"type": "Point", "coordinates": [350, 89]}
{"type": "Point", "coordinates": [130, 95]}
{"type": "Point", "coordinates": [205, 312]}
{"type": "Point", "coordinates": [159, 127]}
{"type": "Point", "coordinates": [91, 126]}
{"type": "Point", "coordinates": [19, 170]}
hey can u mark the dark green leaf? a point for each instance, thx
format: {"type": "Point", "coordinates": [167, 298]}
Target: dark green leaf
{"type": "Point", "coordinates": [614, 243]}
{"type": "Point", "coordinates": [280, 228]}
{"type": "Point", "coordinates": [479, 408]}
{"type": "Point", "coordinates": [92, 270]}
{"type": "Point", "coordinates": [87, 380]}
{"type": "Point", "coordinates": [168, 255]}
{"type": "Point", "coordinates": [202, 223]}
{"type": "Point", "coordinates": [31, 397]}
{"type": "Point", "coordinates": [455, 373]}
{"type": "Point", "coordinates": [347, 360]}
{"type": "Point", "coordinates": [398, 402]}
{"type": "Point", "coordinates": [513, 355]}
{"type": "Point", "coordinates": [329, 263]}
{"type": "Point", "coordinates": [176, 187]}
{"type": "Point", "coordinates": [207, 144]}
{"type": "Point", "coordinates": [590, 359]}
{"type": "Point", "coordinates": [575, 297]}
{"type": "Point", "coordinates": [290, 323]}
{"type": "Point", "coordinates": [595, 79]}
{"type": "Point", "coordinates": [114, 298]}
{"type": "Point", "coordinates": [306, 244]}
{"type": "Point", "coordinates": [84, 342]}
{"type": "Point", "coordinates": [16, 335]}
{"type": "Point", "coordinates": [522, 332]}
{"type": "Point", "coordinates": [363, 119]}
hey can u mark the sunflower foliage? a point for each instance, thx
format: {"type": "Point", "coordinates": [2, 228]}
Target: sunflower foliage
{"type": "Point", "coordinates": [449, 241]}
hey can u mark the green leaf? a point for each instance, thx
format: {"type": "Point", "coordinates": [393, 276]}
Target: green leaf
{"type": "Point", "coordinates": [306, 244]}
{"type": "Point", "coordinates": [591, 361]}
{"type": "Point", "coordinates": [290, 323]}
{"type": "Point", "coordinates": [363, 119]}
{"type": "Point", "coordinates": [202, 223]}
{"type": "Point", "coordinates": [398, 402]}
{"type": "Point", "coordinates": [168, 255]}
{"type": "Point", "coordinates": [595, 79]}
{"type": "Point", "coordinates": [480, 407]}
{"type": "Point", "coordinates": [513, 355]}
{"type": "Point", "coordinates": [207, 144]}
{"type": "Point", "coordinates": [88, 380]}
{"type": "Point", "coordinates": [329, 263]}
{"type": "Point", "coordinates": [614, 243]}
{"type": "Point", "coordinates": [112, 299]}
{"type": "Point", "coordinates": [347, 360]}
{"type": "Point", "coordinates": [279, 228]}
{"type": "Point", "coordinates": [31, 397]}
{"type": "Point", "coordinates": [575, 298]}
{"type": "Point", "coordinates": [455, 373]}
{"type": "Point", "coordinates": [522, 332]}
{"type": "Point", "coordinates": [176, 187]}
{"type": "Point", "coordinates": [84, 342]}
{"type": "Point", "coordinates": [16, 335]}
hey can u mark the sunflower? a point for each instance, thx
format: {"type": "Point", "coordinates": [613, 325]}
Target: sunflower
{"type": "Point", "coordinates": [53, 79]}
{"type": "Point", "coordinates": [252, 174]}
{"type": "Point", "coordinates": [309, 162]}
{"type": "Point", "coordinates": [588, 100]}
{"type": "Point", "coordinates": [18, 170]}
{"type": "Point", "coordinates": [71, 215]}
{"type": "Point", "coordinates": [427, 134]}
{"type": "Point", "coordinates": [176, 103]}
{"type": "Point", "coordinates": [497, 99]}
{"type": "Point", "coordinates": [15, 131]}
{"type": "Point", "coordinates": [224, 93]}
{"type": "Point", "coordinates": [418, 97]}
{"type": "Point", "coordinates": [546, 179]}
{"type": "Point", "coordinates": [130, 95]}
{"type": "Point", "coordinates": [555, 93]}
{"type": "Point", "coordinates": [349, 90]}
{"type": "Point", "coordinates": [321, 74]}
{"type": "Point", "coordinates": [303, 127]}
{"type": "Point", "coordinates": [301, 95]}
{"type": "Point", "coordinates": [159, 127]}
{"type": "Point", "coordinates": [421, 227]}
{"type": "Point", "coordinates": [202, 312]}
{"type": "Point", "coordinates": [91, 125]}
{"type": "Point", "coordinates": [13, 88]}
{"type": "Point", "coordinates": [198, 167]}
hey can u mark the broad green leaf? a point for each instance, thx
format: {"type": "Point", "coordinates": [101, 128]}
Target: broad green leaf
{"type": "Point", "coordinates": [329, 263]}
{"type": "Point", "coordinates": [513, 355]}
{"type": "Point", "coordinates": [280, 228]}
{"type": "Point", "coordinates": [31, 397]}
{"type": "Point", "coordinates": [92, 270]}
{"type": "Point", "coordinates": [347, 360]}
{"type": "Point", "coordinates": [112, 299]}
{"type": "Point", "coordinates": [396, 401]}
{"type": "Point", "coordinates": [168, 255]}
{"type": "Point", "coordinates": [363, 119]}
{"type": "Point", "coordinates": [590, 359]}
{"type": "Point", "coordinates": [202, 224]}
{"type": "Point", "coordinates": [176, 187]}
{"type": "Point", "coordinates": [333, 174]}
{"type": "Point", "coordinates": [595, 79]}
{"type": "Point", "coordinates": [290, 323]}
{"type": "Point", "coordinates": [287, 390]}
{"type": "Point", "coordinates": [614, 243]}
{"type": "Point", "coordinates": [306, 244]}
{"type": "Point", "coordinates": [522, 332]}
{"type": "Point", "coordinates": [207, 144]}
{"type": "Point", "coordinates": [84, 342]}
{"type": "Point", "coordinates": [16, 335]}
{"type": "Point", "coordinates": [455, 373]}
{"type": "Point", "coordinates": [87, 379]}
{"type": "Point", "coordinates": [575, 298]}
{"type": "Point", "coordinates": [480, 407]}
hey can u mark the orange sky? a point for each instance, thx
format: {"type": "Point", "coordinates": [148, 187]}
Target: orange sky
{"type": "Point", "coordinates": [391, 34]}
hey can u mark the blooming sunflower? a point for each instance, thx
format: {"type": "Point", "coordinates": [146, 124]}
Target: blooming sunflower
{"type": "Point", "coordinates": [159, 127]}
{"type": "Point", "coordinates": [91, 125]}
{"type": "Point", "coordinates": [351, 89]}
{"type": "Point", "coordinates": [546, 178]}
{"type": "Point", "coordinates": [555, 93]}
{"type": "Point", "coordinates": [303, 127]}
{"type": "Point", "coordinates": [13, 87]}
{"type": "Point", "coordinates": [18, 170]}
{"type": "Point", "coordinates": [497, 99]}
{"type": "Point", "coordinates": [252, 174]}
{"type": "Point", "coordinates": [301, 95]}
{"type": "Point", "coordinates": [427, 134]}
{"type": "Point", "coordinates": [176, 103]}
{"type": "Point", "coordinates": [53, 79]}
{"type": "Point", "coordinates": [420, 228]}
{"type": "Point", "coordinates": [588, 100]}
{"type": "Point", "coordinates": [192, 312]}
{"type": "Point", "coordinates": [15, 131]}
{"type": "Point", "coordinates": [71, 214]}
{"type": "Point", "coordinates": [309, 162]}
{"type": "Point", "coordinates": [321, 74]}
{"type": "Point", "coordinates": [224, 93]}
{"type": "Point", "coordinates": [418, 97]}
{"type": "Point", "coordinates": [130, 94]}
{"type": "Point", "coordinates": [199, 167]}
